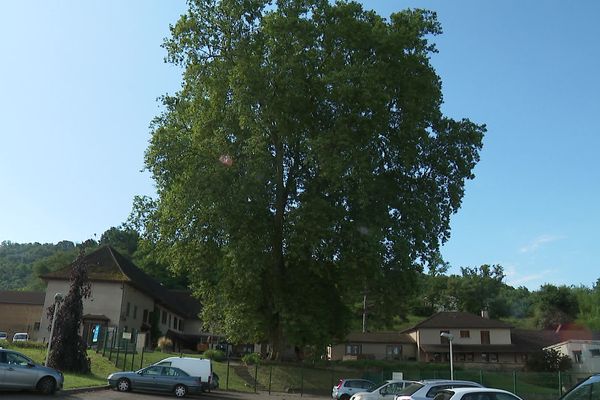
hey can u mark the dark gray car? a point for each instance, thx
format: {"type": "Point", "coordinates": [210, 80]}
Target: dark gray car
{"type": "Point", "coordinates": [156, 378]}
{"type": "Point", "coordinates": [18, 372]}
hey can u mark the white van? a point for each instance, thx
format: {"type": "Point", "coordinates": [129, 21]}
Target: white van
{"type": "Point", "coordinates": [197, 367]}
{"type": "Point", "coordinates": [21, 337]}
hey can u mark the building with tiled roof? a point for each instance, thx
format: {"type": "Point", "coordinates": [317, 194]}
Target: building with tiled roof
{"type": "Point", "coordinates": [20, 311]}
{"type": "Point", "coordinates": [125, 298]}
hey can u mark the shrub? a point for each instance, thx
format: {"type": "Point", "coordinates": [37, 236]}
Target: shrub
{"type": "Point", "coordinates": [30, 345]}
{"type": "Point", "coordinates": [214, 354]}
{"type": "Point", "coordinates": [251, 358]}
{"type": "Point", "coordinates": [164, 343]}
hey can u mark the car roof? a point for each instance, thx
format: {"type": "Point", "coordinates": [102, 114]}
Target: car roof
{"type": "Point", "coordinates": [445, 381]}
{"type": "Point", "coordinates": [477, 389]}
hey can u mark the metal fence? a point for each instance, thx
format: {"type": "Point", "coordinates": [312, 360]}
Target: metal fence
{"type": "Point", "coordinates": [319, 380]}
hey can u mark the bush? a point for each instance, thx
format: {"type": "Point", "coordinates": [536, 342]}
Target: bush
{"type": "Point", "coordinates": [214, 354]}
{"type": "Point", "coordinates": [30, 345]}
{"type": "Point", "coordinates": [164, 343]}
{"type": "Point", "coordinates": [251, 358]}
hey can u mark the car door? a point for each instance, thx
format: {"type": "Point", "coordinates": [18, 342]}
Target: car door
{"type": "Point", "coordinates": [147, 379]}
{"type": "Point", "coordinates": [2, 367]}
{"type": "Point", "coordinates": [19, 371]}
{"type": "Point", "coordinates": [168, 378]}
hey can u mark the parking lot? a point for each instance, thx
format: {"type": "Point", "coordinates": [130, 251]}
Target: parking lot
{"type": "Point", "coordinates": [114, 395]}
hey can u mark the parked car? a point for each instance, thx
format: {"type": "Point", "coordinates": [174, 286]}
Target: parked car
{"type": "Point", "coordinates": [475, 394]}
{"type": "Point", "coordinates": [20, 337]}
{"type": "Point", "coordinates": [587, 389]}
{"type": "Point", "coordinates": [386, 391]}
{"type": "Point", "coordinates": [3, 336]}
{"type": "Point", "coordinates": [19, 372]}
{"type": "Point", "coordinates": [347, 387]}
{"type": "Point", "coordinates": [427, 389]}
{"type": "Point", "coordinates": [156, 378]}
{"type": "Point", "coordinates": [196, 367]}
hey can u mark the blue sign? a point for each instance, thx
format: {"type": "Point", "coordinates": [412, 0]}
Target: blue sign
{"type": "Point", "coordinates": [96, 333]}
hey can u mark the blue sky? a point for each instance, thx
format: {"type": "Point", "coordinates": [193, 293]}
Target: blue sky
{"type": "Point", "coordinates": [79, 82]}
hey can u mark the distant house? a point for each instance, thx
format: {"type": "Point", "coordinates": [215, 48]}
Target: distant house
{"type": "Point", "coordinates": [581, 345]}
{"type": "Point", "coordinates": [374, 345]}
{"type": "Point", "coordinates": [124, 298]}
{"type": "Point", "coordinates": [20, 312]}
{"type": "Point", "coordinates": [477, 340]}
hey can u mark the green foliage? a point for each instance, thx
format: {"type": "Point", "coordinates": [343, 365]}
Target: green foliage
{"type": "Point", "coordinates": [69, 350]}
{"type": "Point", "coordinates": [29, 345]}
{"type": "Point", "coordinates": [555, 305]}
{"type": "Point", "coordinates": [251, 358]}
{"type": "Point", "coordinates": [304, 162]}
{"type": "Point", "coordinates": [214, 354]}
{"type": "Point", "coordinates": [549, 360]}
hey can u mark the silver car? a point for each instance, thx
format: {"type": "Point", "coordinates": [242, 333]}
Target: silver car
{"type": "Point", "coordinates": [427, 389]}
{"type": "Point", "coordinates": [156, 378]}
{"type": "Point", "coordinates": [18, 372]}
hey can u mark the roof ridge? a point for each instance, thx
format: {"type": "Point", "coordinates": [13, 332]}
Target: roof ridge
{"type": "Point", "coordinates": [117, 263]}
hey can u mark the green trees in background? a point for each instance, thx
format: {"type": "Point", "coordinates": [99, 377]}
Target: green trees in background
{"type": "Point", "coordinates": [304, 163]}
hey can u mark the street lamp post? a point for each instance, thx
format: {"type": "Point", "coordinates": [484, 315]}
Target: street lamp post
{"type": "Point", "coordinates": [450, 337]}
{"type": "Point", "coordinates": [57, 299]}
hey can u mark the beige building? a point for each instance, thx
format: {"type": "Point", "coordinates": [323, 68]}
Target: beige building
{"type": "Point", "coordinates": [477, 341]}
{"type": "Point", "coordinates": [374, 345]}
{"type": "Point", "coordinates": [125, 298]}
{"type": "Point", "coordinates": [20, 312]}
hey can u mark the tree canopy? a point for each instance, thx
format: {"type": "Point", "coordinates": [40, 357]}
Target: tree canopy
{"type": "Point", "coordinates": [304, 161]}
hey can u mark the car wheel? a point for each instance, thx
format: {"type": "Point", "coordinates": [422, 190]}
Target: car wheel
{"type": "Point", "coordinates": [123, 385]}
{"type": "Point", "coordinates": [180, 391]}
{"type": "Point", "coordinates": [46, 385]}
{"type": "Point", "coordinates": [344, 397]}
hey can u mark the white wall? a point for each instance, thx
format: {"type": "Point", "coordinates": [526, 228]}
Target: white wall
{"type": "Point", "coordinates": [136, 299]}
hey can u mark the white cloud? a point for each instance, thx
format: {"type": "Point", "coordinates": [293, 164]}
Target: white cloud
{"type": "Point", "coordinates": [526, 280]}
{"type": "Point", "coordinates": [536, 243]}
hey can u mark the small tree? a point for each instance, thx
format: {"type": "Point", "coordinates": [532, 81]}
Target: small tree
{"type": "Point", "coordinates": [68, 350]}
{"type": "Point", "coordinates": [549, 360]}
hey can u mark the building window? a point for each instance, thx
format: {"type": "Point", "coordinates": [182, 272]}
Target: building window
{"type": "Point", "coordinates": [465, 334]}
{"type": "Point", "coordinates": [595, 352]}
{"type": "Point", "coordinates": [36, 326]}
{"type": "Point", "coordinates": [485, 357]}
{"type": "Point", "coordinates": [577, 357]}
{"type": "Point", "coordinates": [444, 340]}
{"type": "Point", "coordinates": [494, 357]}
{"type": "Point", "coordinates": [164, 317]}
{"type": "Point", "coordinates": [134, 312]}
{"type": "Point", "coordinates": [169, 324]}
{"type": "Point", "coordinates": [352, 349]}
{"type": "Point", "coordinates": [127, 309]}
{"type": "Point", "coordinates": [460, 357]}
{"type": "Point", "coordinates": [174, 322]}
{"type": "Point", "coordinates": [485, 337]}
{"type": "Point", "coordinates": [145, 316]}
{"type": "Point", "coordinates": [181, 325]}
{"type": "Point", "coordinates": [470, 356]}
{"type": "Point", "coordinates": [393, 352]}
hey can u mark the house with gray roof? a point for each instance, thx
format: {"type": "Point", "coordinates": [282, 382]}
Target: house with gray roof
{"type": "Point", "coordinates": [125, 298]}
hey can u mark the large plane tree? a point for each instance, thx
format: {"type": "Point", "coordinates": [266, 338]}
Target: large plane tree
{"type": "Point", "coordinates": [304, 163]}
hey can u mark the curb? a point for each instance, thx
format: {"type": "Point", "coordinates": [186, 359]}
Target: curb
{"type": "Point", "coordinates": [85, 389]}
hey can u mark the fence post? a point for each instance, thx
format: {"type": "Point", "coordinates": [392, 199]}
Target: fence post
{"type": "Point", "coordinates": [227, 377]}
{"type": "Point", "coordinates": [514, 382]}
{"type": "Point", "coordinates": [270, 376]}
{"type": "Point", "coordinates": [255, 376]}
{"type": "Point", "coordinates": [132, 358]}
{"type": "Point", "coordinates": [112, 344]}
{"type": "Point", "coordinates": [105, 340]}
{"type": "Point", "coordinates": [142, 357]}
{"type": "Point", "coordinates": [481, 376]}
{"type": "Point", "coordinates": [118, 351]}
{"type": "Point", "coordinates": [559, 384]}
{"type": "Point", "coordinates": [301, 379]}
{"type": "Point", "coordinates": [125, 359]}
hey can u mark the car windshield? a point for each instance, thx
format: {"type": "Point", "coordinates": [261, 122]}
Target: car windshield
{"type": "Point", "coordinates": [411, 389]}
{"type": "Point", "coordinates": [20, 336]}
